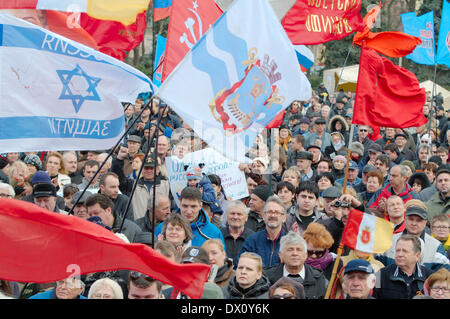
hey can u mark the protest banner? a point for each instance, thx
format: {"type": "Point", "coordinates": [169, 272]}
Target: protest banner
{"type": "Point", "coordinates": [233, 179]}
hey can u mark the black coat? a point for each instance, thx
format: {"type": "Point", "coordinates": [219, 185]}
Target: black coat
{"type": "Point", "coordinates": [260, 290]}
{"type": "Point", "coordinates": [391, 285]}
{"type": "Point", "coordinates": [233, 246]}
{"type": "Point", "coordinates": [315, 283]}
{"type": "Point", "coordinates": [254, 223]}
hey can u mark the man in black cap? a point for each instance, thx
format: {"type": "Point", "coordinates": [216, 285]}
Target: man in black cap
{"type": "Point", "coordinates": [304, 161]}
{"type": "Point", "coordinates": [258, 198]}
{"type": "Point", "coordinates": [302, 127]}
{"type": "Point", "coordinates": [44, 195]}
{"type": "Point", "coordinates": [359, 279]}
{"type": "Point", "coordinates": [133, 147]}
{"type": "Point", "coordinates": [401, 139]}
{"type": "Point", "coordinates": [320, 134]}
{"type": "Point", "coordinates": [314, 148]}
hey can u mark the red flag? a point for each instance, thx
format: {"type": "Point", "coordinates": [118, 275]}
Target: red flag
{"type": "Point", "coordinates": [387, 95]}
{"type": "Point", "coordinates": [113, 37]}
{"type": "Point", "coordinates": [277, 121]}
{"type": "Point", "coordinates": [38, 246]}
{"type": "Point", "coordinates": [320, 21]}
{"type": "Point", "coordinates": [189, 20]}
{"type": "Point", "coordinates": [390, 43]}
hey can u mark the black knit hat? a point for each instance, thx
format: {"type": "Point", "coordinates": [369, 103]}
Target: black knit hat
{"type": "Point", "coordinates": [262, 191]}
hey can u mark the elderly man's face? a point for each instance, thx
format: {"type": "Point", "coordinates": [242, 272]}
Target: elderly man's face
{"type": "Point", "coordinates": [47, 202]}
{"type": "Point", "coordinates": [69, 288]}
{"type": "Point", "coordinates": [396, 179]}
{"type": "Point", "coordinates": [293, 255]}
{"type": "Point", "coordinates": [356, 284]}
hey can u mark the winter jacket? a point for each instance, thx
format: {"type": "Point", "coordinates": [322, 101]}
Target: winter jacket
{"type": "Point", "coordinates": [437, 206]}
{"type": "Point", "coordinates": [233, 246]}
{"type": "Point", "coordinates": [255, 222]}
{"type": "Point", "coordinates": [433, 255]}
{"type": "Point", "coordinates": [50, 294]}
{"type": "Point", "coordinates": [315, 283]}
{"type": "Point", "coordinates": [407, 194]}
{"type": "Point", "coordinates": [391, 285]}
{"type": "Point", "coordinates": [260, 290]}
{"type": "Point", "coordinates": [130, 229]}
{"type": "Point", "coordinates": [260, 244]}
{"type": "Point", "coordinates": [120, 205]}
{"type": "Point", "coordinates": [294, 217]}
{"type": "Point", "coordinates": [202, 230]}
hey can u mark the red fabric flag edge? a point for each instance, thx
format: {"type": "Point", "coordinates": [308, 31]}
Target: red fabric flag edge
{"type": "Point", "coordinates": [38, 246]}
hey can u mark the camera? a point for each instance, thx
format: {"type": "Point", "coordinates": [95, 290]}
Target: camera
{"type": "Point", "coordinates": [341, 204]}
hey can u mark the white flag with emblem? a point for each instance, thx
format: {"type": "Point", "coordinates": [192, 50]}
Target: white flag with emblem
{"type": "Point", "coordinates": [237, 78]}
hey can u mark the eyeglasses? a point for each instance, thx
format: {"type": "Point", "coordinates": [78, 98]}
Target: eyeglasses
{"type": "Point", "coordinates": [440, 227]}
{"type": "Point", "coordinates": [318, 253]}
{"type": "Point", "coordinates": [443, 289]}
{"type": "Point", "coordinates": [273, 212]}
{"type": "Point", "coordinates": [364, 130]}
{"type": "Point", "coordinates": [5, 195]}
{"type": "Point", "coordinates": [285, 296]}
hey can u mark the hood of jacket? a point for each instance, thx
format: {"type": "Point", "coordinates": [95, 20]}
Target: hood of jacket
{"type": "Point", "coordinates": [337, 118]}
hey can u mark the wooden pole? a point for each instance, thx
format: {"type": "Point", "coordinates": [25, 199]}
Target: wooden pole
{"type": "Point", "coordinates": [340, 249]}
{"type": "Point", "coordinates": [335, 266]}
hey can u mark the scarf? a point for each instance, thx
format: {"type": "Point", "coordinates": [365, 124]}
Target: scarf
{"type": "Point", "coordinates": [338, 146]}
{"type": "Point", "coordinates": [322, 262]}
{"type": "Point", "coordinates": [285, 143]}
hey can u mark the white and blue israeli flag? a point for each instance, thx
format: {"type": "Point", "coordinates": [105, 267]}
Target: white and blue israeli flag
{"type": "Point", "coordinates": [57, 94]}
{"type": "Point", "coordinates": [237, 78]}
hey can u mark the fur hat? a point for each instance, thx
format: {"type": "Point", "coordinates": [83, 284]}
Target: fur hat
{"type": "Point", "coordinates": [34, 160]}
{"type": "Point", "coordinates": [357, 147]}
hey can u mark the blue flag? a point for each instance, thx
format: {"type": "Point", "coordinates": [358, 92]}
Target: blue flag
{"type": "Point", "coordinates": [443, 49]}
{"type": "Point", "coordinates": [159, 57]}
{"type": "Point", "coordinates": [422, 27]}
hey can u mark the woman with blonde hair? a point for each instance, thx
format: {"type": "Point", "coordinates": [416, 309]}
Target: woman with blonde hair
{"type": "Point", "coordinates": [56, 169]}
{"type": "Point", "coordinates": [105, 288]}
{"type": "Point", "coordinates": [218, 257]}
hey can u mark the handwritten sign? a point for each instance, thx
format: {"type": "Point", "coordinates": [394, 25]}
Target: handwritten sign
{"type": "Point", "coordinates": [233, 179]}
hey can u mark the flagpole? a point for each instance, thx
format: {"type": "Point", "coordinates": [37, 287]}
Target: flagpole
{"type": "Point", "coordinates": [430, 114]}
{"type": "Point", "coordinates": [340, 249]}
{"type": "Point", "coordinates": [109, 155]}
{"type": "Point", "coordinates": [154, 136]}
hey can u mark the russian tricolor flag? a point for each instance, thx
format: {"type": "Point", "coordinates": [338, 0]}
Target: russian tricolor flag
{"type": "Point", "coordinates": [162, 9]}
{"type": "Point", "coordinates": [305, 57]}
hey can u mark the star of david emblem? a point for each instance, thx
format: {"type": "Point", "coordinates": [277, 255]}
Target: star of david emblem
{"type": "Point", "coordinates": [78, 86]}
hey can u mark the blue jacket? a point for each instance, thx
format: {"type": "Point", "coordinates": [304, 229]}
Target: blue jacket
{"type": "Point", "coordinates": [50, 294]}
{"type": "Point", "coordinates": [260, 244]}
{"type": "Point", "coordinates": [202, 230]}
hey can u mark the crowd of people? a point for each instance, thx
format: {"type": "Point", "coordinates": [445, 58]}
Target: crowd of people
{"type": "Point", "coordinates": [281, 241]}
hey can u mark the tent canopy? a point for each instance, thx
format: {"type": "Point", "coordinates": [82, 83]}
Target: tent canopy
{"type": "Point", "coordinates": [348, 79]}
